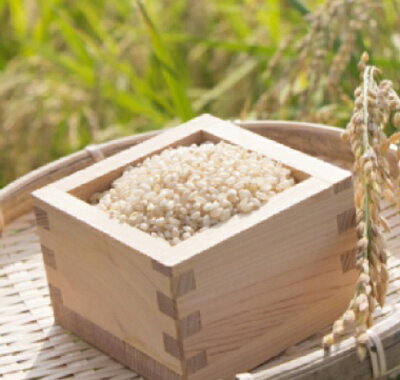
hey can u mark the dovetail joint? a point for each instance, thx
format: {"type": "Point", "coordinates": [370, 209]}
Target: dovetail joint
{"type": "Point", "coordinates": [42, 219]}
{"type": "Point", "coordinates": [346, 220]}
{"type": "Point", "coordinates": [49, 257]}
{"type": "Point", "coordinates": [197, 362]}
{"type": "Point", "coordinates": [343, 185]}
{"type": "Point", "coordinates": [183, 284]}
{"type": "Point", "coordinates": [173, 346]}
{"type": "Point", "coordinates": [167, 305]}
{"type": "Point", "coordinates": [190, 325]}
{"type": "Point", "coordinates": [348, 260]}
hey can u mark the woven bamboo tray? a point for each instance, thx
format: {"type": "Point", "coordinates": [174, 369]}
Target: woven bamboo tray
{"type": "Point", "coordinates": [33, 347]}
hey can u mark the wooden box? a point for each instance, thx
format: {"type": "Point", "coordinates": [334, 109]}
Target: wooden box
{"type": "Point", "coordinates": [221, 302]}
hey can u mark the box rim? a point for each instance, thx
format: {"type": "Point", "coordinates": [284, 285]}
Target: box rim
{"type": "Point", "coordinates": [224, 130]}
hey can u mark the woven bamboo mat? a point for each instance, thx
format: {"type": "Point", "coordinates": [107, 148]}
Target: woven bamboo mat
{"type": "Point", "coordinates": [33, 347]}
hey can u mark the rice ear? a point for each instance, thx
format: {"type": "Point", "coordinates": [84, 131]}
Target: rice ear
{"type": "Point", "coordinates": [372, 183]}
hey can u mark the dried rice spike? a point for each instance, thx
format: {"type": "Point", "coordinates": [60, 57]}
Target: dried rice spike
{"type": "Point", "coordinates": [373, 106]}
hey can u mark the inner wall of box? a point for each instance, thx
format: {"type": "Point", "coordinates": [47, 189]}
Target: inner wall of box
{"type": "Point", "coordinates": [103, 183]}
{"type": "Point", "coordinates": [298, 175]}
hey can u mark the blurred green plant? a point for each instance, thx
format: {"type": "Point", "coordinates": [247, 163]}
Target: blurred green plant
{"type": "Point", "coordinates": [74, 72]}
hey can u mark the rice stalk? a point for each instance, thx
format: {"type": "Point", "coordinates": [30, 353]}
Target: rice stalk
{"type": "Point", "coordinates": [100, 52]}
{"type": "Point", "coordinates": [375, 102]}
{"type": "Point", "coordinates": [309, 71]}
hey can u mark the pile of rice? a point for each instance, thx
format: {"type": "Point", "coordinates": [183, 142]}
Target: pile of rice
{"type": "Point", "coordinates": [185, 190]}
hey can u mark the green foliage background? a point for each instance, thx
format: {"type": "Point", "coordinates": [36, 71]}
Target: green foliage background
{"type": "Point", "coordinates": [74, 72]}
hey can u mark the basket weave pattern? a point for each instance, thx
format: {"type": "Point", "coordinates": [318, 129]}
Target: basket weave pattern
{"type": "Point", "coordinates": [33, 347]}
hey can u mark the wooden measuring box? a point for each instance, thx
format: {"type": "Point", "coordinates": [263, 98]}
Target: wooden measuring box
{"type": "Point", "coordinates": [224, 300]}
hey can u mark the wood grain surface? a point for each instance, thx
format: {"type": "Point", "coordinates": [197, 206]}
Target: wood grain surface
{"type": "Point", "coordinates": [204, 308]}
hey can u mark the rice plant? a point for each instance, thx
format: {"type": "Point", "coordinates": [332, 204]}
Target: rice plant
{"type": "Point", "coordinates": [74, 72]}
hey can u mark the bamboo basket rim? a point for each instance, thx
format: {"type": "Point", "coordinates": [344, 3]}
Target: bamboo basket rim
{"type": "Point", "coordinates": [15, 202]}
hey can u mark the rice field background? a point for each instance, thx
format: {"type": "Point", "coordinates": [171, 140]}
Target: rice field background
{"type": "Point", "coordinates": [75, 72]}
